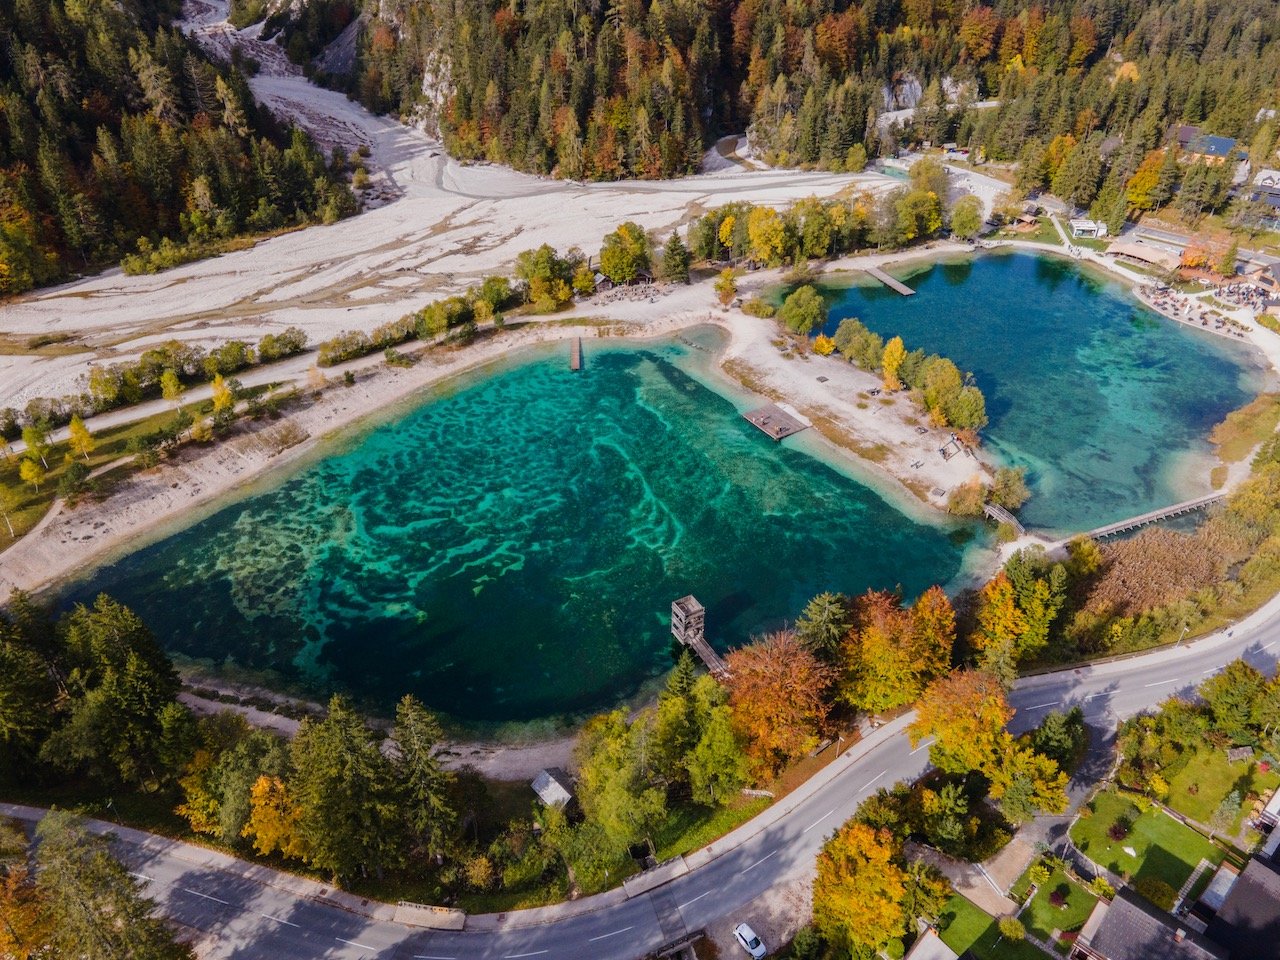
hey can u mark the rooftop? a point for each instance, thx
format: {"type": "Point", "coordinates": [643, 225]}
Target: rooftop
{"type": "Point", "coordinates": [553, 787]}
{"type": "Point", "coordinates": [1129, 928]}
{"type": "Point", "coordinates": [1208, 145]}
{"type": "Point", "coordinates": [1249, 921]}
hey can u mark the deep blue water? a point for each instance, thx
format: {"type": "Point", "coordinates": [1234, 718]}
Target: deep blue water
{"type": "Point", "coordinates": [510, 549]}
{"type": "Point", "coordinates": [1106, 403]}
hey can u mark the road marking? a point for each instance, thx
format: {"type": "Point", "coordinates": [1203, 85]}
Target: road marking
{"type": "Point", "coordinates": [205, 895]}
{"type": "Point", "coordinates": [517, 956]}
{"type": "Point", "coordinates": [873, 780]}
{"type": "Point", "coordinates": [1270, 645]}
{"type": "Point", "coordinates": [605, 936]}
{"type": "Point", "coordinates": [1161, 683]}
{"type": "Point", "coordinates": [818, 821]}
{"type": "Point", "coordinates": [760, 861]}
{"type": "Point", "coordinates": [362, 946]}
{"type": "Point", "coordinates": [429, 956]}
{"type": "Point", "coordinates": [921, 747]}
{"type": "Point", "coordinates": [1041, 706]}
{"type": "Point", "coordinates": [278, 920]}
{"type": "Point", "coordinates": [142, 876]}
{"type": "Point", "coordinates": [1210, 670]}
{"type": "Point", "coordinates": [681, 906]}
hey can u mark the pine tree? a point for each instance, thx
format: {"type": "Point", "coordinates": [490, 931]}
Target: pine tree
{"type": "Point", "coordinates": [675, 260]}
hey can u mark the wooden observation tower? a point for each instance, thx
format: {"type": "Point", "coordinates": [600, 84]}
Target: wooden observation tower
{"type": "Point", "coordinates": [688, 625]}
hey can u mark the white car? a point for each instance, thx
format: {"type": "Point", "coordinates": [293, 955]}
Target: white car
{"type": "Point", "coordinates": [750, 942]}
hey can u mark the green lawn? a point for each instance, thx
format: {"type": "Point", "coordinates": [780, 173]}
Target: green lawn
{"type": "Point", "coordinates": [1164, 848]}
{"type": "Point", "coordinates": [1041, 917]}
{"type": "Point", "coordinates": [690, 828]}
{"type": "Point", "coordinates": [963, 926]}
{"type": "Point", "coordinates": [1212, 778]}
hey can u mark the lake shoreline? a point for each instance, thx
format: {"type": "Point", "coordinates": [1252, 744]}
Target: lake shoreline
{"type": "Point", "coordinates": [158, 503]}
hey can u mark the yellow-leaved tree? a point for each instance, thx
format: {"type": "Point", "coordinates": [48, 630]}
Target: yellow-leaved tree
{"type": "Point", "coordinates": [273, 820]}
{"type": "Point", "coordinates": [80, 438]}
{"type": "Point", "coordinates": [766, 234]}
{"type": "Point", "coordinates": [859, 891]}
{"type": "Point", "coordinates": [891, 362]}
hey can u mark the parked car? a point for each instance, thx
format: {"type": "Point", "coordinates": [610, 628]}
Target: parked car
{"type": "Point", "coordinates": [750, 942]}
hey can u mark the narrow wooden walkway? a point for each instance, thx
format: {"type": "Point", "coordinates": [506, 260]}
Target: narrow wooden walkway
{"type": "Point", "coordinates": [889, 282]}
{"type": "Point", "coordinates": [1000, 515]}
{"type": "Point", "coordinates": [776, 421]}
{"type": "Point", "coordinates": [1153, 516]}
{"type": "Point", "coordinates": [575, 354]}
{"type": "Point", "coordinates": [713, 661]}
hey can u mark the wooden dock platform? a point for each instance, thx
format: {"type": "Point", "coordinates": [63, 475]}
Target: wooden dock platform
{"type": "Point", "coordinates": [776, 421]}
{"type": "Point", "coordinates": [889, 282]}
{"type": "Point", "coordinates": [575, 354]}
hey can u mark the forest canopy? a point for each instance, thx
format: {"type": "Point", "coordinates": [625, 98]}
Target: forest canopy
{"type": "Point", "coordinates": [118, 138]}
{"type": "Point", "coordinates": [612, 88]}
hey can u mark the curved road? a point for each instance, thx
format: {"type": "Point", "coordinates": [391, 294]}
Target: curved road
{"type": "Point", "coordinates": [253, 914]}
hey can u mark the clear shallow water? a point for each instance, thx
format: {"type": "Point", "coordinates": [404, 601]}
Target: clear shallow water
{"type": "Point", "coordinates": [1107, 404]}
{"type": "Point", "coordinates": [510, 549]}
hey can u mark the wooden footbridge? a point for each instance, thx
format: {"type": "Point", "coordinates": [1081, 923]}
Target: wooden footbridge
{"type": "Point", "coordinates": [890, 282]}
{"type": "Point", "coordinates": [1155, 516]}
{"type": "Point", "coordinates": [1000, 515]}
{"type": "Point", "coordinates": [688, 625]}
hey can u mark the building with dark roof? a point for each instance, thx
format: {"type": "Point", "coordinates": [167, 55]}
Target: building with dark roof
{"type": "Point", "coordinates": [1248, 923]}
{"type": "Point", "coordinates": [1129, 928]}
{"type": "Point", "coordinates": [1182, 135]}
{"type": "Point", "coordinates": [1208, 148]}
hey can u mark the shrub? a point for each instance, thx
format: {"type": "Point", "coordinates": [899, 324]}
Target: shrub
{"type": "Point", "coordinates": [1058, 896]}
{"type": "Point", "coordinates": [1156, 891]}
{"type": "Point", "coordinates": [345, 346]}
{"type": "Point", "coordinates": [1120, 829]}
{"type": "Point", "coordinates": [1039, 874]}
{"type": "Point", "coordinates": [1011, 928]}
{"type": "Point", "coordinates": [758, 307]}
{"type": "Point", "coordinates": [1101, 887]}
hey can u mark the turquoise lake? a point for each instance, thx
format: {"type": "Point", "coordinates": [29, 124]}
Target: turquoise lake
{"type": "Point", "coordinates": [509, 550]}
{"type": "Point", "coordinates": [1106, 403]}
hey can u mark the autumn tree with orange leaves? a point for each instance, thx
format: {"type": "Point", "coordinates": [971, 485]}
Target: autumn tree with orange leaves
{"type": "Point", "coordinates": [778, 698]}
{"type": "Point", "coordinates": [891, 652]}
{"type": "Point", "coordinates": [965, 714]}
{"type": "Point", "coordinates": [865, 894]}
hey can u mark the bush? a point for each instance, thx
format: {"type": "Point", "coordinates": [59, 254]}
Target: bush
{"type": "Point", "coordinates": [1120, 829]}
{"type": "Point", "coordinates": [1011, 928]}
{"type": "Point", "coordinates": [967, 499]}
{"type": "Point", "coordinates": [345, 346]}
{"type": "Point", "coordinates": [1156, 891]}
{"type": "Point", "coordinates": [1101, 887]}
{"type": "Point", "coordinates": [1058, 896]}
{"type": "Point", "coordinates": [758, 307]}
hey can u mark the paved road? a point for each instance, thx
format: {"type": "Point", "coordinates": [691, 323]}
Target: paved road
{"type": "Point", "coordinates": [254, 919]}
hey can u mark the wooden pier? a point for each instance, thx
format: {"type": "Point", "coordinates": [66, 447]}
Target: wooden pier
{"type": "Point", "coordinates": [575, 354]}
{"type": "Point", "coordinates": [889, 282]}
{"type": "Point", "coordinates": [688, 625]}
{"type": "Point", "coordinates": [777, 421]}
{"type": "Point", "coordinates": [1000, 515]}
{"type": "Point", "coordinates": [1154, 516]}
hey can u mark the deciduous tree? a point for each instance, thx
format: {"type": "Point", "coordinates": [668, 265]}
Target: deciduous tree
{"type": "Point", "coordinates": [777, 692]}
{"type": "Point", "coordinates": [965, 714]}
{"type": "Point", "coordinates": [860, 887]}
{"type": "Point", "coordinates": [79, 437]}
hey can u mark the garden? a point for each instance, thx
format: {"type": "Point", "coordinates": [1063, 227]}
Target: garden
{"type": "Point", "coordinates": [1137, 840]}
{"type": "Point", "coordinates": [1059, 907]}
